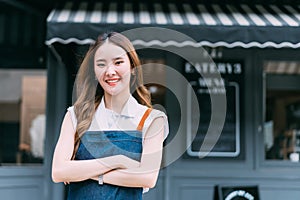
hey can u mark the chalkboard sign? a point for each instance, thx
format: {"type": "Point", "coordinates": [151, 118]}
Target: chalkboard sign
{"type": "Point", "coordinates": [212, 80]}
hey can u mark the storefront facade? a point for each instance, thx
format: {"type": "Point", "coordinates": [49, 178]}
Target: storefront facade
{"type": "Point", "coordinates": [257, 49]}
{"type": "Point", "coordinates": [249, 53]}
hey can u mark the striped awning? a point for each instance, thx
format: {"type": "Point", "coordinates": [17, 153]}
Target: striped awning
{"type": "Point", "coordinates": [282, 67]}
{"type": "Point", "coordinates": [212, 25]}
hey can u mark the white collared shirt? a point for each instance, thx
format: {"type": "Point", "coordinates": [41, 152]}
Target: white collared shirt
{"type": "Point", "coordinates": [128, 119]}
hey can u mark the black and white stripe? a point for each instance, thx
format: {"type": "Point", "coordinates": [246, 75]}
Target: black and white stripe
{"type": "Point", "coordinates": [172, 15]}
{"type": "Point", "coordinates": [257, 15]}
{"type": "Point", "coordinates": [282, 67]}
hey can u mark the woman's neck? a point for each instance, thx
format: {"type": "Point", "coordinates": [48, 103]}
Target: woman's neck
{"type": "Point", "coordinates": [116, 102]}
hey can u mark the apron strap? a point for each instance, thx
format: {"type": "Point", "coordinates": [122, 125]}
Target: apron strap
{"type": "Point", "coordinates": [141, 124]}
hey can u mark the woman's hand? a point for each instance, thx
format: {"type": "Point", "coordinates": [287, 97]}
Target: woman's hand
{"type": "Point", "coordinates": [121, 162]}
{"type": "Point", "coordinates": [118, 162]}
{"type": "Point", "coordinates": [127, 163]}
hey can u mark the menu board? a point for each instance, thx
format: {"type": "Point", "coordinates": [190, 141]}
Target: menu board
{"type": "Point", "coordinates": [223, 80]}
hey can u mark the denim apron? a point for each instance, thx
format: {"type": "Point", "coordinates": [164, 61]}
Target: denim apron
{"type": "Point", "coordinates": [100, 144]}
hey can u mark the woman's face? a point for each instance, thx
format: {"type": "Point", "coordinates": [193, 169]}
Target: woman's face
{"type": "Point", "coordinates": [112, 69]}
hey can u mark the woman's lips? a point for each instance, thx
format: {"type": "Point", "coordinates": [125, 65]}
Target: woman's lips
{"type": "Point", "coordinates": [112, 82]}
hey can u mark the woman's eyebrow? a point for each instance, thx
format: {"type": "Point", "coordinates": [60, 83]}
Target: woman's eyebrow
{"type": "Point", "coordinates": [100, 60]}
{"type": "Point", "coordinates": [116, 58]}
{"type": "Point", "coordinates": [119, 57]}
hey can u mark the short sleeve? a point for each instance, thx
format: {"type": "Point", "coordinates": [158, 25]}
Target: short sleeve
{"type": "Point", "coordinates": [153, 115]}
{"type": "Point", "coordinates": [73, 116]}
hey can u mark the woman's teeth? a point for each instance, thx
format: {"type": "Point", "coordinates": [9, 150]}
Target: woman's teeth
{"type": "Point", "coordinates": [112, 81]}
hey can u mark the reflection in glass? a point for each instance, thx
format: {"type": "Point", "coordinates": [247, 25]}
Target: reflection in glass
{"type": "Point", "coordinates": [22, 119]}
{"type": "Point", "coordinates": [282, 110]}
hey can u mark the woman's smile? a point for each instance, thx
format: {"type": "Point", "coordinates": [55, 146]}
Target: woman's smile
{"type": "Point", "coordinates": [112, 81]}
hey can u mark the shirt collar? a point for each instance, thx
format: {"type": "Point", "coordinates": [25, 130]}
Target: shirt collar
{"type": "Point", "coordinates": [129, 109]}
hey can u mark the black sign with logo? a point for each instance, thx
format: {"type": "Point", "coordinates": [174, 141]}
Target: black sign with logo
{"type": "Point", "coordinates": [237, 192]}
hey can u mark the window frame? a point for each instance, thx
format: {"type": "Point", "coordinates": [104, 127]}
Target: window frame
{"type": "Point", "coordinates": [262, 55]}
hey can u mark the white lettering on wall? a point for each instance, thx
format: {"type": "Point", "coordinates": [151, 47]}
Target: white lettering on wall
{"type": "Point", "coordinates": [212, 68]}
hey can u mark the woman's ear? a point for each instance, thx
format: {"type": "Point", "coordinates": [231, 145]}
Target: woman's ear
{"type": "Point", "coordinates": [133, 76]}
{"type": "Point", "coordinates": [133, 71]}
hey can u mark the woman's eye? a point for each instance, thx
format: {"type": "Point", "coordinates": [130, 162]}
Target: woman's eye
{"type": "Point", "coordinates": [101, 65]}
{"type": "Point", "coordinates": [119, 62]}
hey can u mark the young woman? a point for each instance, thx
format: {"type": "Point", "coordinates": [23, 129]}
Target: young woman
{"type": "Point", "coordinates": [110, 146]}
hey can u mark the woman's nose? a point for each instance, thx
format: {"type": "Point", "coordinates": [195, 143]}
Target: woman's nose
{"type": "Point", "coordinates": [110, 71]}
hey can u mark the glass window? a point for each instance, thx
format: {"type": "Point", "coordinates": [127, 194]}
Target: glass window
{"type": "Point", "coordinates": [22, 118]}
{"type": "Point", "coordinates": [154, 76]}
{"type": "Point", "coordinates": [282, 110]}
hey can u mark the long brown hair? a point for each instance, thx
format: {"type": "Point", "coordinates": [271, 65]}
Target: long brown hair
{"type": "Point", "coordinates": [88, 90]}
